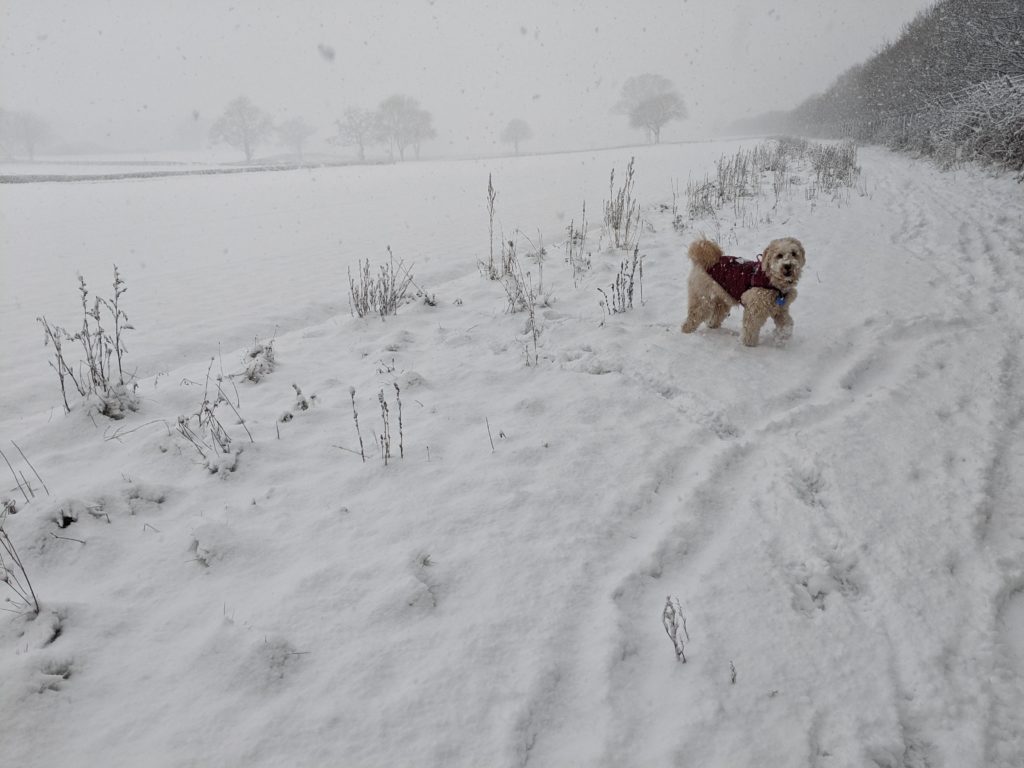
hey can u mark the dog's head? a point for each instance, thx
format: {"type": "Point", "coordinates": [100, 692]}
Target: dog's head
{"type": "Point", "coordinates": [783, 261]}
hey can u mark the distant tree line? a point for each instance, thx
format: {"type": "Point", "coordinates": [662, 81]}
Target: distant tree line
{"type": "Point", "coordinates": [951, 86]}
{"type": "Point", "coordinates": [399, 124]}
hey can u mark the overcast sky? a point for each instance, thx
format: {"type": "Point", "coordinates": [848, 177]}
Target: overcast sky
{"type": "Point", "coordinates": [136, 72]}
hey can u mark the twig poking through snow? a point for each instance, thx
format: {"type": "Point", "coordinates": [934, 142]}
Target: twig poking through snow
{"type": "Point", "coordinates": [401, 436]}
{"type": "Point", "coordinates": [355, 418]}
{"type": "Point", "coordinates": [15, 577]}
{"type": "Point", "coordinates": [17, 481]}
{"type": "Point", "coordinates": [41, 481]}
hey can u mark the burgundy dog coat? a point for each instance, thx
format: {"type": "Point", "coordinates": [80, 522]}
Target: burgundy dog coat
{"type": "Point", "coordinates": [737, 275]}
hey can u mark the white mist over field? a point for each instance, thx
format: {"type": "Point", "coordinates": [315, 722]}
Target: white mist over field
{"type": "Point", "coordinates": [120, 74]}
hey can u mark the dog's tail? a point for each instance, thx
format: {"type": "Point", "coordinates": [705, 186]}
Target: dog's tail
{"type": "Point", "coordinates": [704, 253]}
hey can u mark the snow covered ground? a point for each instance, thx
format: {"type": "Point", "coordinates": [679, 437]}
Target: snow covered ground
{"type": "Point", "coordinates": [840, 518]}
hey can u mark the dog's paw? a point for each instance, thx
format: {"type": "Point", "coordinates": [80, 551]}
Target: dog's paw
{"type": "Point", "coordinates": [783, 335]}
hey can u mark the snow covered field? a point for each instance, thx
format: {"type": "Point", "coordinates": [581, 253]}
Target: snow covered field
{"type": "Point", "coordinates": [840, 518]}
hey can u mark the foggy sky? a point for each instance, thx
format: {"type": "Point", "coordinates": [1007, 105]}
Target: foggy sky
{"type": "Point", "coordinates": [141, 73]}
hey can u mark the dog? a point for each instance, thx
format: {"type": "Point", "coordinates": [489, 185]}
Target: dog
{"type": "Point", "coordinates": [766, 288]}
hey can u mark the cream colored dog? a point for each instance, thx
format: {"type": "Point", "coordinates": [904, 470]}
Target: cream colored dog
{"type": "Point", "coordinates": [765, 287]}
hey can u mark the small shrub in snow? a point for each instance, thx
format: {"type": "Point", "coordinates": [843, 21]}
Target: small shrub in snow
{"type": "Point", "coordinates": [674, 621]}
{"type": "Point", "coordinates": [835, 165]}
{"type": "Point", "coordinates": [744, 176]}
{"type": "Point", "coordinates": [630, 277]}
{"type": "Point", "coordinates": [385, 436]}
{"type": "Point", "coordinates": [538, 256]}
{"type": "Point", "coordinates": [14, 576]}
{"type": "Point", "coordinates": [521, 298]}
{"type": "Point", "coordinates": [384, 440]}
{"type": "Point", "coordinates": [736, 177]}
{"type": "Point", "coordinates": [302, 403]}
{"type": "Point", "coordinates": [381, 294]}
{"type": "Point", "coordinates": [576, 255]}
{"type": "Point", "coordinates": [492, 269]}
{"type": "Point", "coordinates": [259, 360]}
{"type": "Point", "coordinates": [513, 280]}
{"type": "Point", "coordinates": [103, 348]}
{"type": "Point", "coordinates": [206, 432]}
{"type": "Point", "coordinates": [355, 418]}
{"type": "Point", "coordinates": [622, 210]}
{"type": "Point", "coordinates": [401, 427]}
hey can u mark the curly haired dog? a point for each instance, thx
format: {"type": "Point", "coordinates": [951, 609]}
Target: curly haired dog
{"type": "Point", "coordinates": [765, 287]}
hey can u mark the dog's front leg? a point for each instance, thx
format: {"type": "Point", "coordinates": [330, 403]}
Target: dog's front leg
{"type": "Point", "coordinates": [757, 308]}
{"type": "Point", "coordinates": [783, 320]}
{"type": "Point", "coordinates": [783, 327]}
{"type": "Point", "coordinates": [753, 319]}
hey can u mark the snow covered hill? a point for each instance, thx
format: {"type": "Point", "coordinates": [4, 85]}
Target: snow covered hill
{"type": "Point", "coordinates": [839, 518]}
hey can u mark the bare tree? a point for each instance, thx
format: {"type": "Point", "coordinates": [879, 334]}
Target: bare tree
{"type": "Point", "coordinates": [422, 130]}
{"type": "Point", "coordinates": [401, 123]}
{"type": "Point", "coordinates": [650, 101]}
{"type": "Point", "coordinates": [243, 125]}
{"type": "Point", "coordinates": [295, 133]}
{"type": "Point", "coordinates": [516, 131]}
{"type": "Point", "coordinates": [21, 133]}
{"type": "Point", "coordinates": [357, 129]}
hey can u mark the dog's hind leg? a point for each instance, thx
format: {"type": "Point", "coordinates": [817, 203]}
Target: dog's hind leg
{"type": "Point", "coordinates": [719, 311]}
{"type": "Point", "coordinates": [696, 313]}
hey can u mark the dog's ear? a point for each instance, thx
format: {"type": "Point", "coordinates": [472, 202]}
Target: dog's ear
{"type": "Point", "coordinates": [800, 250]}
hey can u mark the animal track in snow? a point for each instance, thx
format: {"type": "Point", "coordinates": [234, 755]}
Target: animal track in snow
{"type": "Point", "coordinates": [815, 583]}
{"type": "Point", "coordinates": [54, 674]}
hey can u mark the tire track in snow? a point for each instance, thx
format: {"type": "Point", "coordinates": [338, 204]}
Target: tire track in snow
{"type": "Point", "coordinates": [989, 240]}
{"type": "Point", "coordinates": [689, 551]}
